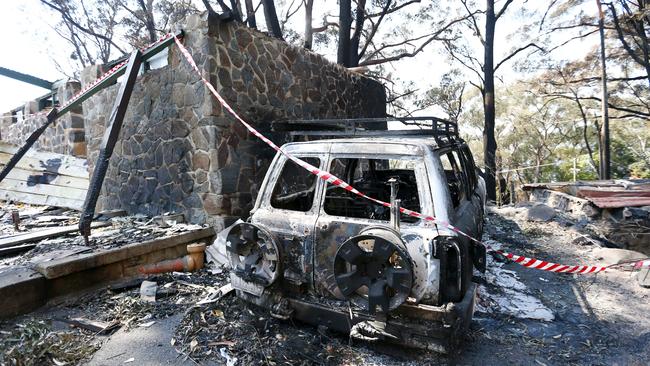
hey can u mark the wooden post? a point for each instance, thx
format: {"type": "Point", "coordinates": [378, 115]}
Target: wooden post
{"type": "Point", "coordinates": [108, 142]}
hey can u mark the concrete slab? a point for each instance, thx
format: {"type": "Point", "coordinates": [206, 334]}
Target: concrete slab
{"type": "Point", "coordinates": [147, 346]}
{"type": "Point", "coordinates": [78, 263]}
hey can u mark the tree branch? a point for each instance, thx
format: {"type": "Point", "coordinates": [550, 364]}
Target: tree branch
{"type": "Point", "coordinates": [513, 54]}
{"type": "Point", "coordinates": [477, 29]}
{"type": "Point", "coordinates": [392, 10]}
{"type": "Point", "coordinates": [503, 9]}
{"type": "Point", "coordinates": [375, 26]}
{"type": "Point", "coordinates": [67, 17]}
{"type": "Point", "coordinates": [434, 36]}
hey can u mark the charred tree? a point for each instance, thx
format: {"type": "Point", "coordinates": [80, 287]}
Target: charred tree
{"type": "Point", "coordinates": [309, 28]}
{"type": "Point", "coordinates": [359, 18]}
{"type": "Point", "coordinates": [489, 141]}
{"type": "Point", "coordinates": [271, 16]}
{"type": "Point", "coordinates": [148, 19]}
{"type": "Point", "coordinates": [345, 25]}
{"type": "Point", "coordinates": [605, 164]}
{"type": "Point", "coordinates": [250, 14]}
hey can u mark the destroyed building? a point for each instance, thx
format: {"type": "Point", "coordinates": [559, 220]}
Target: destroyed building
{"type": "Point", "coordinates": [178, 150]}
{"type": "Point", "coordinates": [617, 210]}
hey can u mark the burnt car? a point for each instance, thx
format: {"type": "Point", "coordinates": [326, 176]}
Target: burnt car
{"type": "Point", "coordinates": [316, 252]}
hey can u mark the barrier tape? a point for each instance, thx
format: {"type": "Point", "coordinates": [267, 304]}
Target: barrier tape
{"type": "Point", "coordinates": [332, 179]}
{"type": "Point", "coordinates": [90, 85]}
{"type": "Point", "coordinates": [110, 72]}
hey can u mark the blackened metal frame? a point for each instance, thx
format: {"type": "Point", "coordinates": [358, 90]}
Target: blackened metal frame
{"type": "Point", "coordinates": [111, 136]}
{"type": "Point", "coordinates": [77, 100]}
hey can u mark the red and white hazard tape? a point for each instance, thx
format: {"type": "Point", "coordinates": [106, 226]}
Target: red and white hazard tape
{"type": "Point", "coordinates": [90, 85]}
{"type": "Point", "coordinates": [330, 178]}
{"type": "Point", "coordinates": [110, 72]}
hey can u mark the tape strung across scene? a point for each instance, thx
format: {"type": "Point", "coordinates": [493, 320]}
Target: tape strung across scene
{"type": "Point", "coordinates": [330, 178]}
{"type": "Point", "coordinates": [88, 86]}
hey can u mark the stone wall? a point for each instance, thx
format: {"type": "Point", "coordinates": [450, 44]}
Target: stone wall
{"type": "Point", "coordinates": [65, 136]}
{"type": "Point", "coordinates": [181, 152]}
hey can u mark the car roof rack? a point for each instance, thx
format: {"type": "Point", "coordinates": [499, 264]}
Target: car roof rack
{"type": "Point", "coordinates": [444, 131]}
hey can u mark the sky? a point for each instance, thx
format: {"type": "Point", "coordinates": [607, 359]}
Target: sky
{"type": "Point", "coordinates": [27, 47]}
{"type": "Point", "coordinates": [30, 46]}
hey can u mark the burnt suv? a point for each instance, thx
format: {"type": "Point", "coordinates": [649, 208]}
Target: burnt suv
{"type": "Point", "coordinates": [321, 254]}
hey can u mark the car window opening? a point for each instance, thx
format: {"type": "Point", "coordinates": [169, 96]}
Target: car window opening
{"type": "Point", "coordinates": [371, 176]}
{"type": "Point", "coordinates": [455, 178]}
{"type": "Point", "coordinates": [295, 187]}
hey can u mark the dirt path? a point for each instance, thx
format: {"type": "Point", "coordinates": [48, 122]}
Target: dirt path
{"type": "Point", "coordinates": [597, 319]}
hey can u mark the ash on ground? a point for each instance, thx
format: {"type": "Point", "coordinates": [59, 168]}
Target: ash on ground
{"type": "Point", "coordinates": [524, 316]}
{"type": "Point", "coordinates": [123, 230]}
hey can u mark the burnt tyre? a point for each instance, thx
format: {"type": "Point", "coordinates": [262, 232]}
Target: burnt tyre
{"type": "Point", "coordinates": [374, 270]}
{"type": "Point", "coordinates": [254, 255]}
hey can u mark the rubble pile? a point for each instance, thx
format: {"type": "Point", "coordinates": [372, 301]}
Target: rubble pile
{"type": "Point", "coordinates": [122, 230]}
{"type": "Point", "coordinates": [617, 211]}
{"type": "Point", "coordinates": [549, 317]}
{"type": "Point", "coordinates": [252, 337]}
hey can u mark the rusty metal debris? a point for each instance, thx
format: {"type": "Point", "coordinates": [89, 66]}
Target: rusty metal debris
{"type": "Point", "coordinates": [191, 262]}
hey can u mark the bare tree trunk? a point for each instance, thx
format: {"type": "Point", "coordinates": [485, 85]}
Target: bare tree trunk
{"type": "Point", "coordinates": [605, 165]}
{"type": "Point", "coordinates": [584, 133]}
{"type": "Point", "coordinates": [356, 37]}
{"type": "Point", "coordinates": [236, 10]}
{"type": "Point", "coordinates": [309, 29]}
{"type": "Point", "coordinates": [250, 14]}
{"type": "Point", "coordinates": [538, 162]}
{"type": "Point", "coordinates": [345, 23]}
{"type": "Point", "coordinates": [149, 22]}
{"type": "Point", "coordinates": [271, 17]}
{"type": "Point", "coordinates": [489, 140]}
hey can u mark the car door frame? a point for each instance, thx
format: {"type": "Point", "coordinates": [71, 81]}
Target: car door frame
{"type": "Point", "coordinates": [340, 228]}
{"type": "Point", "coordinates": [292, 229]}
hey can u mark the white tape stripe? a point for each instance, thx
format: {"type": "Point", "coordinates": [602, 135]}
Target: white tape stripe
{"type": "Point", "coordinates": [545, 268]}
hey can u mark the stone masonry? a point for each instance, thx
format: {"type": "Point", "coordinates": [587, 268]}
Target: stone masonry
{"type": "Point", "coordinates": [65, 136]}
{"type": "Point", "coordinates": [179, 151]}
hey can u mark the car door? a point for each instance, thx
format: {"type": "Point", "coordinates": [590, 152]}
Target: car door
{"type": "Point", "coordinates": [477, 196]}
{"type": "Point", "coordinates": [289, 209]}
{"type": "Point", "coordinates": [463, 209]}
{"type": "Point", "coordinates": [344, 215]}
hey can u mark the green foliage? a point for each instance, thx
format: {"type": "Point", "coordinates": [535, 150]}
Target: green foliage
{"type": "Point", "coordinates": [447, 96]}
{"type": "Point", "coordinates": [533, 130]}
{"type": "Point", "coordinates": [640, 169]}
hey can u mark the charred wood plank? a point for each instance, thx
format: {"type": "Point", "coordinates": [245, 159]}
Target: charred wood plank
{"type": "Point", "coordinates": [33, 236]}
{"type": "Point", "coordinates": [51, 117]}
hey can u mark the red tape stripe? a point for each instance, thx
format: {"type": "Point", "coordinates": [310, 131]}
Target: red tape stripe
{"type": "Point", "coordinates": [554, 267]}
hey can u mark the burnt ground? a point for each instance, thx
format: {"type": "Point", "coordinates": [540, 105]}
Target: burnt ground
{"type": "Point", "coordinates": [524, 317]}
{"type": "Point", "coordinates": [122, 231]}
